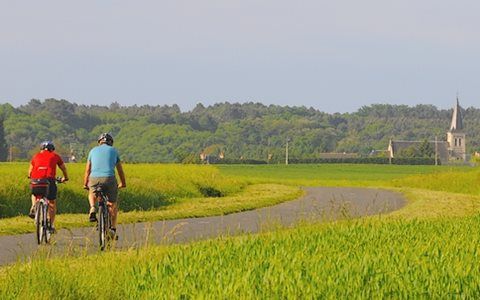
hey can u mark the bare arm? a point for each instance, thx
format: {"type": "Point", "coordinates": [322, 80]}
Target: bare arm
{"type": "Point", "coordinates": [88, 169]}
{"type": "Point", "coordinates": [64, 171]}
{"type": "Point", "coordinates": [121, 174]}
{"type": "Point", "coordinates": [30, 169]}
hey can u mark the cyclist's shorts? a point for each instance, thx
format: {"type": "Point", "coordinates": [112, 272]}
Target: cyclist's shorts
{"type": "Point", "coordinates": [44, 187]}
{"type": "Point", "coordinates": [109, 185]}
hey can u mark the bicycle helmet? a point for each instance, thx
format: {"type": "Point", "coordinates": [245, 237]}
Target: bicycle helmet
{"type": "Point", "coordinates": [47, 145]}
{"type": "Point", "coordinates": [105, 138]}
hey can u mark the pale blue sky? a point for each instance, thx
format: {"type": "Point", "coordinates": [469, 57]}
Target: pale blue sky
{"type": "Point", "coordinates": [333, 55]}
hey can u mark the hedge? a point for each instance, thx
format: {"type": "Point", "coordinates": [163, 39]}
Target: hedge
{"type": "Point", "coordinates": [350, 160]}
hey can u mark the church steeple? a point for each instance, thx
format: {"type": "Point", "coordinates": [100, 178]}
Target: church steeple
{"type": "Point", "coordinates": [457, 118]}
{"type": "Point", "coordinates": [456, 136]}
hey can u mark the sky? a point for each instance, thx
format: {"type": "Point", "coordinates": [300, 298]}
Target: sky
{"type": "Point", "coordinates": [335, 56]}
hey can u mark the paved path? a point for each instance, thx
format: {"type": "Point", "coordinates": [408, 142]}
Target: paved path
{"type": "Point", "coordinates": [319, 204]}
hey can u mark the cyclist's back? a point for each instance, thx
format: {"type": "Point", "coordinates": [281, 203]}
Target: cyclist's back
{"type": "Point", "coordinates": [44, 165]}
{"type": "Point", "coordinates": [103, 159]}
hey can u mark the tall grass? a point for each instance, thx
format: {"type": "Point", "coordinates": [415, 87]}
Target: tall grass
{"type": "Point", "coordinates": [148, 186]}
{"type": "Point", "coordinates": [353, 259]}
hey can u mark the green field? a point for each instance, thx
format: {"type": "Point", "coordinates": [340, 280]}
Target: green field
{"type": "Point", "coordinates": [167, 191]}
{"type": "Point", "coordinates": [149, 186]}
{"type": "Point", "coordinates": [428, 249]}
{"type": "Point", "coordinates": [359, 259]}
{"type": "Point", "coordinates": [154, 192]}
{"type": "Point", "coordinates": [304, 173]}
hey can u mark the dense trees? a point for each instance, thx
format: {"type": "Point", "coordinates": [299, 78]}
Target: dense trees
{"type": "Point", "coordinates": [249, 131]}
{"type": "Point", "coordinates": [3, 143]}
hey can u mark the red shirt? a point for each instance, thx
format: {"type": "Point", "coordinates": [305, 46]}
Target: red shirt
{"type": "Point", "coordinates": [45, 164]}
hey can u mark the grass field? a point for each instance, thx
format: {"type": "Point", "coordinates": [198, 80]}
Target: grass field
{"type": "Point", "coordinates": [158, 192]}
{"type": "Point", "coordinates": [154, 192]}
{"type": "Point", "coordinates": [149, 186]}
{"type": "Point", "coordinates": [454, 179]}
{"type": "Point", "coordinates": [335, 174]}
{"type": "Point", "coordinates": [353, 259]}
{"type": "Point", "coordinates": [428, 249]}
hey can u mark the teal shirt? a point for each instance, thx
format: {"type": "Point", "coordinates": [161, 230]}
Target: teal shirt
{"type": "Point", "coordinates": [103, 160]}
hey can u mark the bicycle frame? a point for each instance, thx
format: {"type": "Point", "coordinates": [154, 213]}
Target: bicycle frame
{"type": "Point", "coordinates": [104, 219]}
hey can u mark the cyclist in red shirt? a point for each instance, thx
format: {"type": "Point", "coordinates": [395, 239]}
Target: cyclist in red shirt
{"type": "Point", "coordinates": [44, 166]}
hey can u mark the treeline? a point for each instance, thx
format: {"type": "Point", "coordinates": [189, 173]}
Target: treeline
{"type": "Point", "coordinates": [232, 131]}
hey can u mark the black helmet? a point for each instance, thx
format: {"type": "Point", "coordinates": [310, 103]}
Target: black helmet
{"type": "Point", "coordinates": [47, 145]}
{"type": "Point", "coordinates": [105, 138]}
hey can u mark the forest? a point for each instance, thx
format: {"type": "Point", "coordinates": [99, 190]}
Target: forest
{"type": "Point", "coordinates": [229, 131]}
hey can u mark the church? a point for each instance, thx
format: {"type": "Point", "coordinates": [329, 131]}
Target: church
{"type": "Point", "coordinates": [451, 150]}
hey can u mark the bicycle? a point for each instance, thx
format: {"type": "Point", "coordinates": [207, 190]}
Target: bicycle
{"type": "Point", "coordinates": [40, 189]}
{"type": "Point", "coordinates": [104, 220]}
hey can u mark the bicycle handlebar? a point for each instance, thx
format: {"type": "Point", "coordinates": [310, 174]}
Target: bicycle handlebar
{"type": "Point", "coordinates": [61, 179]}
{"type": "Point", "coordinates": [57, 179]}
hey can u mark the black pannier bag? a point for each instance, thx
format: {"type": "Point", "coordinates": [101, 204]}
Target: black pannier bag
{"type": "Point", "coordinates": [39, 187]}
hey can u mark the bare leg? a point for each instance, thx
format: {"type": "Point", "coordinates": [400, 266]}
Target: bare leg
{"type": "Point", "coordinates": [113, 210]}
{"type": "Point", "coordinates": [91, 199]}
{"type": "Point", "coordinates": [52, 210]}
{"type": "Point", "coordinates": [31, 212]}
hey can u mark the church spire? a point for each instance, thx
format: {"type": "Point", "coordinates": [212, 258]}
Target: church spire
{"type": "Point", "coordinates": [457, 118]}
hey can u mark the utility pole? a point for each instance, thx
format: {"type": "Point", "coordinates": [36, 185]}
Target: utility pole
{"type": "Point", "coordinates": [286, 151]}
{"type": "Point", "coordinates": [390, 152]}
{"type": "Point", "coordinates": [436, 151]}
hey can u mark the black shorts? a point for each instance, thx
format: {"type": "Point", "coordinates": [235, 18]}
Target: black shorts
{"type": "Point", "coordinates": [51, 191]}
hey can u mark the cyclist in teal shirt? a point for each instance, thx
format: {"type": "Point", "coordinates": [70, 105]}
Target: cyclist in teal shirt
{"type": "Point", "coordinates": [100, 171]}
{"type": "Point", "coordinates": [103, 158]}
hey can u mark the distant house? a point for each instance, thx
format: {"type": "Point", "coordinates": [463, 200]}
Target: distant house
{"type": "Point", "coordinates": [453, 149]}
{"type": "Point", "coordinates": [334, 155]}
{"type": "Point", "coordinates": [396, 148]}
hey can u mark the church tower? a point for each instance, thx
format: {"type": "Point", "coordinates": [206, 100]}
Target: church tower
{"type": "Point", "coordinates": [456, 135]}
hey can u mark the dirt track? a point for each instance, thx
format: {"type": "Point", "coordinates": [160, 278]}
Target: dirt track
{"type": "Point", "coordinates": [319, 204]}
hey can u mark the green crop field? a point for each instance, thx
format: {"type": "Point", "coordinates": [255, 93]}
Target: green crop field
{"type": "Point", "coordinates": [456, 179]}
{"type": "Point", "coordinates": [428, 249]}
{"type": "Point", "coordinates": [356, 259]}
{"type": "Point", "coordinates": [329, 172]}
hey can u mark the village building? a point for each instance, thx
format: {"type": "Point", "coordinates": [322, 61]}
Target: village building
{"type": "Point", "coordinates": [451, 150]}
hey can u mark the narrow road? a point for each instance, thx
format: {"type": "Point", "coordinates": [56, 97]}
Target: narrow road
{"type": "Point", "coordinates": [319, 204]}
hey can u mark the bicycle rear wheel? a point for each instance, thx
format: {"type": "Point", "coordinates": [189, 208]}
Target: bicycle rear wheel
{"type": "Point", "coordinates": [102, 228]}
